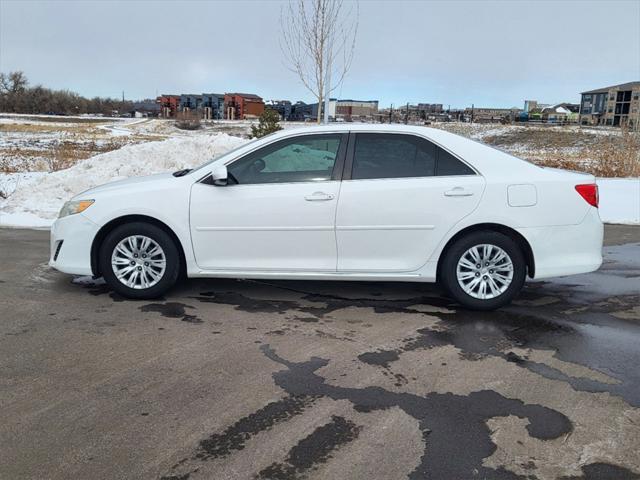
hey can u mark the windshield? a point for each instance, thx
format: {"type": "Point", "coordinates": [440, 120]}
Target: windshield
{"type": "Point", "coordinates": [227, 153]}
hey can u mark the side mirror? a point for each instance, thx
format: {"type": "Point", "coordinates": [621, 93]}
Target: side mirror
{"type": "Point", "coordinates": [219, 175]}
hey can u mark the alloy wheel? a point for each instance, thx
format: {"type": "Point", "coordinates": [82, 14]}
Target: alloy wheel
{"type": "Point", "coordinates": [138, 262]}
{"type": "Point", "coordinates": [484, 271]}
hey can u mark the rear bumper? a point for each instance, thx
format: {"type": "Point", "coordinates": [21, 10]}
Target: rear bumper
{"type": "Point", "coordinates": [76, 232]}
{"type": "Point", "coordinates": [567, 249]}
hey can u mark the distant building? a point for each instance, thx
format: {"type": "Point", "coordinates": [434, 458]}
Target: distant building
{"type": "Point", "coordinates": [145, 108]}
{"type": "Point", "coordinates": [209, 106]}
{"type": "Point", "coordinates": [430, 107]}
{"type": "Point", "coordinates": [349, 109]}
{"type": "Point", "coordinates": [332, 109]}
{"type": "Point", "coordinates": [190, 102]}
{"type": "Point", "coordinates": [346, 109]}
{"type": "Point", "coordinates": [241, 106]}
{"type": "Point", "coordinates": [561, 113]}
{"type": "Point", "coordinates": [530, 105]}
{"type": "Point", "coordinates": [490, 115]}
{"type": "Point", "coordinates": [301, 111]}
{"type": "Point", "coordinates": [615, 105]}
{"type": "Point", "coordinates": [212, 106]}
{"type": "Point", "coordinates": [283, 107]}
{"type": "Point", "coordinates": [169, 105]}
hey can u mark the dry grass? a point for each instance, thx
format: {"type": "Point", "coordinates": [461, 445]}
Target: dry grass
{"type": "Point", "coordinates": [35, 128]}
{"type": "Point", "coordinates": [613, 155]}
{"type": "Point", "coordinates": [62, 154]}
{"type": "Point", "coordinates": [609, 156]}
{"type": "Point", "coordinates": [76, 143]}
{"type": "Point", "coordinates": [188, 120]}
{"type": "Point", "coordinates": [542, 138]}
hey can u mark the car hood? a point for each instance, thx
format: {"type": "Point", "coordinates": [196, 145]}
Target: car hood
{"type": "Point", "coordinates": [127, 183]}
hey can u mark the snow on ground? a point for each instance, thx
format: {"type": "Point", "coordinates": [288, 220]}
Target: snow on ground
{"type": "Point", "coordinates": [34, 199]}
{"type": "Point", "coordinates": [619, 200]}
{"type": "Point", "coordinates": [122, 129]}
{"type": "Point", "coordinates": [44, 143]}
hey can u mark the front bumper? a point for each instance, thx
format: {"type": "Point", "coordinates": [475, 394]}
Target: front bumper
{"type": "Point", "coordinates": [76, 232]}
{"type": "Point", "coordinates": [567, 249]}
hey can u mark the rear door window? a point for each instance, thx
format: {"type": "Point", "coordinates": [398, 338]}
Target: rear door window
{"type": "Point", "coordinates": [390, 155]}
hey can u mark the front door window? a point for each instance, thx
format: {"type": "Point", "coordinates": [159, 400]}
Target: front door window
{"type": "Point", "coordinates": [308, 158]}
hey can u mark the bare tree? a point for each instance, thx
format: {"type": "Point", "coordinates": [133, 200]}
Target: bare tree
{"type": "Point", "coordinates": [17, 96]}
{"type": "Point", "coordinates": [318, 41]}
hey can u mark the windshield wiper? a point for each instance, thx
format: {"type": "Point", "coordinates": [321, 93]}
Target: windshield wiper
{"type": "Point", "coordinates": [182, 173]}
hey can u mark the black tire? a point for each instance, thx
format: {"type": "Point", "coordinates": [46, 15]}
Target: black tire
{"type": "Point", "coordinates": [162, 238]}
{"type": "Point", "coordinates": [456, 251]}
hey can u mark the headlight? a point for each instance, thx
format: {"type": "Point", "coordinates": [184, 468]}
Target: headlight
{"type": "Point", "coordinates": [73, 207]}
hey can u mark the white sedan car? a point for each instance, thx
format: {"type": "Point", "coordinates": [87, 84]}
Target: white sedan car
{"type": "Point", "coordinates": [340, 202]}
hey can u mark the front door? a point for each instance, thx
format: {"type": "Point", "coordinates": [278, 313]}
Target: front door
{"type": "Point", "coordinates": [278, 211]}
{"type": "Point", "coordinates": [404, 194]}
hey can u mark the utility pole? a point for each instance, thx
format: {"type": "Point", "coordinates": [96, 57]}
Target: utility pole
{"type": "Point", "coordinates": [472, 112]}
{"type": "Point", "coordinates": [406, 114]}
{"type": "Point", "coordinates": [391, 113]}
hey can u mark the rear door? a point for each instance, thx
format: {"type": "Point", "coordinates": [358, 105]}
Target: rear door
{"type": "Point", "coordinates": [400, 195]}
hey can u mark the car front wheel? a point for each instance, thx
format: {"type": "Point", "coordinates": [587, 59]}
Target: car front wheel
{"type": "Point", "coordinates": [484, 270]}
{"type": "Point", "coordinates": [139, 260]}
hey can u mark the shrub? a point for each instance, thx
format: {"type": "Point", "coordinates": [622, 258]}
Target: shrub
{"type": "Point", "coordinates": [267, 123]}
{"type": "Point", "coordinates": [188, 120]}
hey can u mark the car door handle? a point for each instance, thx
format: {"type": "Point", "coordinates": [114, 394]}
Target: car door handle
{"type": "Point", "coordinates": [458, 192]}
{"type": "Point", "coordinates": [318, 197]}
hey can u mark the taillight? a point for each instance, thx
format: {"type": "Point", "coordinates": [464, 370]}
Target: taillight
{"type": "Point", "coordinates": [589, 191]}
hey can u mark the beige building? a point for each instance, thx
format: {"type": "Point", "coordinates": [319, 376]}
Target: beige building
{"type": "Point", "coordinates": [615, 105]}
{"type": "Point", "coordinates": [356, 108]}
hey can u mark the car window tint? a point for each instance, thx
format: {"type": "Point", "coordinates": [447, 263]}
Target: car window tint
{"type": "Point", "coordinates": [450, 165]}
{"type": "Point", "coordinates": [392, 156]}
{"type": "Point", "coordinates": [299, 159]}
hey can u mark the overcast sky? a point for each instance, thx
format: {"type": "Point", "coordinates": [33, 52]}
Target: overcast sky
{"type": "Point", "coordinates": [491, 53]}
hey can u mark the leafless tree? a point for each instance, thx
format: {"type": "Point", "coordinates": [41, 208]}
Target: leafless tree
{"type": "Point", "coordinates": [13, 83]}
{"type": "Point", "coordinates": [318, 36]}
{"type": "Point", "coordinates": [17, 96]}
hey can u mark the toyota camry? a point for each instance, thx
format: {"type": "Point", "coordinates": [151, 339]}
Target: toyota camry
{"type": "Point", "coordinates": [340, 202]}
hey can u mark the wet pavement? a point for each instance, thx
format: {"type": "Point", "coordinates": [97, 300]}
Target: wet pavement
{"type": "Point", "coordinates": [230, 379]}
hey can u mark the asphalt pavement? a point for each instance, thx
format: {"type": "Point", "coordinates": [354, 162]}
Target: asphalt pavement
{"type": "Point", "coordinates": [231, 379]}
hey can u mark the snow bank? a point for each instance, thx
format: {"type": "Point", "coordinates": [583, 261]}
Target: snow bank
{"type": "Point", "coordinates": [619, 200]}
{"type": "Point", "coordinates": [36, 198]}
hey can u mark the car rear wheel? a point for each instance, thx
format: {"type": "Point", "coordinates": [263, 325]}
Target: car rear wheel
{"type": "Point", "coordinates": [139, 260]}
{"type": "Point", "coordinates": [484, 270]}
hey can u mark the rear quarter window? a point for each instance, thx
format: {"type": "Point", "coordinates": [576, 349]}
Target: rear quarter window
{"type": "Point", "coordinates": [449, 165]}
